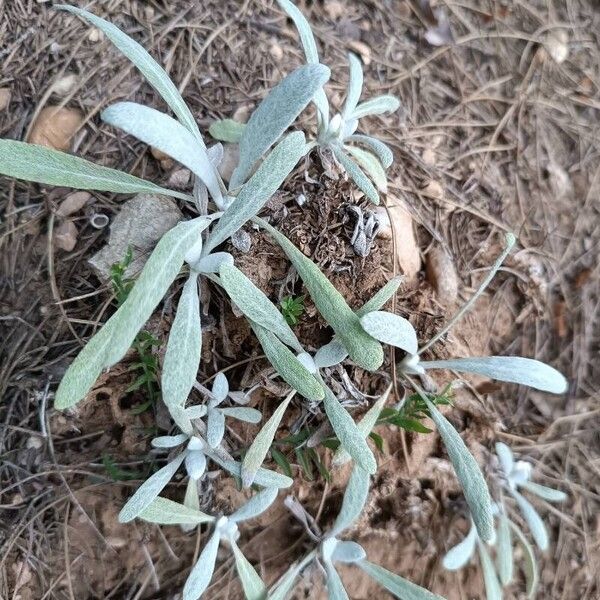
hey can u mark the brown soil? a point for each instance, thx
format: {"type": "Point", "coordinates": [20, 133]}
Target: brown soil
{"type": "Point", "coordinates": [506, 134]}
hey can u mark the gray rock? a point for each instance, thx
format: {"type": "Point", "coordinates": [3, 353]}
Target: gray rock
{"type": "Point", "coordinates": [141, 222]}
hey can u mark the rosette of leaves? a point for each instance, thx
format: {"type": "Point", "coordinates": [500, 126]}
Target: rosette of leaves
{"type": "Point", "coordinates": [225, 529]}
{"type": "Point", "coordinates": [331, 551]}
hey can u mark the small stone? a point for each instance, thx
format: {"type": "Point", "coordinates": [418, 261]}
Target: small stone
{"type": "Point", "coordinates": [159, 154]}
{"type": "Point", "coordinates": [276, 51]}
{"type": "Point", "coordinates": [34, 442]}
{"type": "Point", "coordinates": [55, 127]}
{"type": "Point", "coordinates": [334, 9]}
{"type": "Point", "coordinates": [73, 203]}
{"type": "Point", "coordinates": [441, 273]}
{"type": "Point", "coordinates": [429, 157]}
{"type": "Point", "coordinates": [242, 113]}
{"type": "Point", "coordinates": [95, 35]}
{"type": "Point", "coordinates": [65, 85]}
{"type": "Point", "coordinates": [5, 96]}
{"type": "Point", "coordinates": [180, 178]}
{"type": "Point", "coordinates": [65, 236]}
{"type": "Point", "coordinates": [434, 190]}
{"type": "Point", "coordinates": [362, 49]}
{"type": "Point", "coordinates": [557, 45]}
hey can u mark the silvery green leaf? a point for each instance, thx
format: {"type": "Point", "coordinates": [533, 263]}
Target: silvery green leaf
{"type": "Point", "coordinates": [261, 186]}
{"type": "Point", "coordinates": [376, 106]}
{"type": "Point", "coordinates": [253, 586]}
{"type": "Point", "coordinates": [112, 342]}
{"type": "Point", "coordinates": [348, 433]}
{"type": "Point", "coordinates": [180, 365]}
{"type": "Point", "coordinates": [213, 262]}
{"type": "Point", "coordinates": [308, 362]}
{"type": "Point", "coordinates": [195, 463]}
{"type": "Point", "coordinates": [310, 51]}
{"type": "Point", "coordinates": [384, 154]}
{"type": "Point", "coordinates": [51, 167]}
{"type": "Point", "coordinates": [365, 425]}
{"type": "Point", "coordinates": [330, 354]}
{"type": "Point", "coordinates": [533, 519]}
{"type": "Point", "coordinates": [348, 128]}
{"type": "Point", "coordinates": [149, 490]}
{"type": "Point", "coordinates": [353, 502]}
{"type": "Point", "coordinates": [546, 493]}
{"type": "Point", "coordinates": [365, 351]}
{"type": "Point", "coordinates": [264, 477]}
{"type": "Point", "coordinates": [196, 412]}
{"type": "Point", "coordinates": [355, 84]}
{"type": "Point", "coordinates": [256, 306]}
{"type": "Point", "coordinates": [150, 69]}
{"type": "Point", "coordinates": [169, 441]}
{"type": "Point", "coordinates": [227, 130]}
{"type": "Point", "coordinates": [196, 443]}
{"type": "Point", "coordinates": [220, 388]}
{"type": "Point", "coordinates": [275, 114]}
{"type": "Point", "coordinates": [396, 585]}
{"type": "Point", "coordinates": [335, 587]}
{"type": "Point", "coordinates": [506, 458]}
{"type": "Point", "coordinates": [191, 499]}
{"type": "Point", "coordinates": [504, 550]}
{"type": "Point", "coordinates": [371, 164]}
{"type": "Point", "coordinates": [166, 512]}
{"type": "Point", "coordinates": [468, 472]}
{"type": "Point", "coordinates": [391, 329]}
{"type": "Point", "coordinates": [255, 506]}
{"type": "Point", "coordinates": [530, 566]}
{"type": "Point", "coordinates": [493, 591]}
{"type": "Point", "coordinates": [181, 418]}
{"type": "Point", "coordinates": [243, 413]}
{"type": "Point", "coordinates": [287, 365]}
{"type": "Point", "coordinates": [203, 570]}
{"type": "Point", "coordinates": [167, 135]}
{"type": "Point", "coordinates": [215, 427]}
{"type": "Point", "coordinates": [514, 369]}
{"type": "Point", "coordinates": [255, 456]}
{"type": "Point", "coordinates": [380, 298]}
{"type": "Point", "coordinates": [348, 552]}
{"type": "Point", "coordinates": [285, 585]}
{"type": "Point", "coordinates": [458, 556]}
{"type": "Point", "coordinates": [357, 175]}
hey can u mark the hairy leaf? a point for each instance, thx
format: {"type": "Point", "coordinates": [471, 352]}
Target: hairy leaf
{"type": "Point", "coordinates": [261, 186]}
{"type": "Point", "coordinates": [150, 69]}
{"type": "Point", "coordinates": [371, 164]}
{"type": "Point", "coordinates": [51, 167]}
{"type": "Point", "coordinates": [530, 566]}
{"type": "Point", "coordinates": [533, 519]}
{"type": "Point", "coordinates": [493, 591]}
{"type": "Point", "coordinates": [215, 427]}
{"type": "Point", "coordinates": [348, 552]}
{"type": "Point", "coordinates": [391, 329]}
{"type": "Point", "coordinates": [331, 354]}
{"type": "Point", "coordinates": [243, 413]}
{"type": "Point", "coordinates": [335, 587]}
{"type": "Point", "coordinates": [376, 106]}
{"type": "Point", "coordinates": [356, 173]}
{"type": "Point", "coordinates": [514, 369]}
{"type": "Point", "coordinates": [355, 85]}
{"type": "Point", "coordinates": [253, 586]}
{"type": "Point", "coordinates": [380, 298]}
{"type": "Point", "coordinates": [546, 493]}
{"type": "Point", "coordinates": [255, 506]}
{"type": "Point", "coordinates": [167, 135]}
{"type": "Point", "coordinates": [458, 556]}
{"type": "Point", "coordinates": [379, 148]}
{"type": "Point", "coordinates": [275, 114]}
{"type": "Point", "coordinates": [362, 348]}
{"type": "Point", "coordinates": [504, 550]}
{"type": "Point", "coordinates": [213, 262]}
{"type": "Point", "coordinates": [166, 512]}
{"type": "Point", "coordinates": [203, 570]}
{"type": "Point", "coordinates": [285, 585]}
{"type": "Point", "coordinates": [264, 477]}
{"type": "Point", "coordinates": [506, 458]}
{"type": "Point", "coordinates": [353, 502]}
{"type": "Point", "coordinates": [111, 343]}
{"type": "Point", "coordinates": [227, 130]}
{"type": "Point", "coordinates": [169, 441]}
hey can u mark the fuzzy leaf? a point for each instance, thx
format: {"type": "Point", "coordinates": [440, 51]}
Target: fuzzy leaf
{"type": "Point", "coordinates": [371, 164]}
{"type": "Point", "coordinates": [213, 262]}
{"type": "Point", "coordinates": [166, 512]}
{"type": "Point", "coordinates": [514, 369]}
{"type": "Point", "coordinates": [261, 186]}
{"type": "Point", "coordinates": [259, 448]}
{"type": "Point", "coordinates": [391, 329]}
{"type": "Point", "coordinates": [256, 306]}
{"type": "Point", "coordinates": [504, 550]}
{"type": "Point", "coordinates": [182, 357]}
{"type": "Point", "coordinates": [111, 343]}
{"type": "Point", "coordinates": [396, 585]}
{"type": "Point", "coordinates": [275, 114]}
{"type": "Point", "coordinates": [365, 425]}
{"type": "Point", "coordinates": [376, 106]}
{"type": "Point", "coordinates": [365, 351]}
{"type": "Point", "coordinates": [215, 427]}
{"type": "Point", "coordinates": [227, 130]}
{"type": "Point", "coordinates": [533, 519]}
{"type": "Point", "coordinates": [458, 556]}
{"type": "Point", "coordinates": [243, 413]}
{"type": "Point", "coordinates": [381, 297]}
{"type": "Point", "coordinates": [493, 591]}
{"type": "Point", "coordinates": [51, 167]}
{"type": "Point", "coordinates": [348, 433]}
{"type": "Point", "coordinates": [255, 506]}
{"type": "Point", "coordinates": [354, 500]}
{"type": "Point", "coordinates": [291, 370]}
{"type": "Point", "coordinates": [348, 552]}
{"type": "Point", "coordinates": [150, 69]}
{"type": "Point", "coordinates": [169, 441]}
{"type": "Point", "coordinates": [335, 587]}
{"type": "Point", "coordinates": [330, 354]}
{"type": "Point", "coordinates": [506, 458]}
{"type": "Point", "coordinates": [356, 173]}
{"type": "Point", "coordinates": [379, 148]}
{"type": "Point", "coordinates": [253, 586]}
{"type": "Point", "coordinates": [195, 463]}
{"type": "Point", "coordinates": [167, 135]}
{"type": "Point", "coordinates": [355, 84]}
{"type": "Point", "coordinates": [546, 493]}
{"type": "Point", "coordinates": [285, 584]}
{"type": "Point", "coordinates": [149, 490]}
{"type": "Point", "coordinates": [530, 566]}
{"type": "Point", "coordinates": [203, 570]}
{"type": "Point", "coordinates": [220, 388]}
{"type": "Point", "coordinates": [468, 472]}
{"type": "Point", "coordinates": [264, 477]}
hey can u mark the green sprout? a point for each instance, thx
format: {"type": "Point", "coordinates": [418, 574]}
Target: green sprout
{"type": "Point", "coordinates": [292, 309]}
